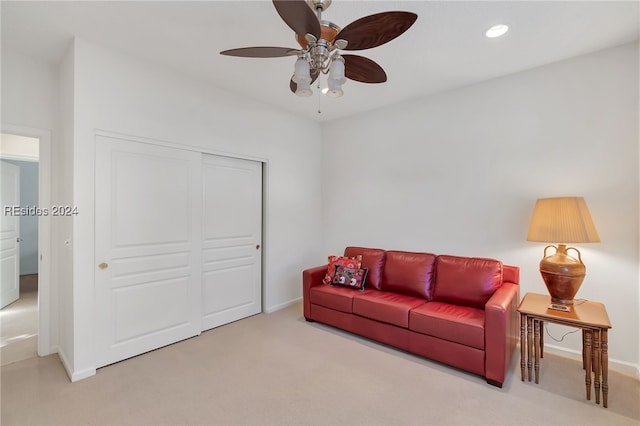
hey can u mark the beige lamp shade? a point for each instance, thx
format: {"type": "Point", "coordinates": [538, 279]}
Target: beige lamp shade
{"type": "Point", "coordinates": [562, 220]}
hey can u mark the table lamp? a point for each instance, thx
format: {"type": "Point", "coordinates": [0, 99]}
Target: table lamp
{"type": "Point", "coordinates": [562, 220]}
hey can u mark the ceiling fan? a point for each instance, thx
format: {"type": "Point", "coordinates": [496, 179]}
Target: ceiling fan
{"type": "Point", "coordinates": [321, 42]}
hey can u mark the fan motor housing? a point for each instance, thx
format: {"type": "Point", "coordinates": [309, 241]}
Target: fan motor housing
{"type": "Point", "coordinates": [328, 32]}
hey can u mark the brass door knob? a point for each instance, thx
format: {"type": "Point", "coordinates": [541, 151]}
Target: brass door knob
{"type": "Point", "coordinates": [103, 265]}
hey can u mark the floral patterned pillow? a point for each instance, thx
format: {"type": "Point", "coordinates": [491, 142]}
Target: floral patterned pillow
{"type": "Point", "coordinates": [350, 277]}
{"type": "Point", "coordinates": [354, 262]}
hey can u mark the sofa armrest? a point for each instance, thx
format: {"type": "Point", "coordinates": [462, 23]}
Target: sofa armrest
{"type": "Point", "coordinates": [501, 331]}
{"type": "Point", "coordinates": [511, 274]}
{"type": "Point", "coordinates": [311, 277]}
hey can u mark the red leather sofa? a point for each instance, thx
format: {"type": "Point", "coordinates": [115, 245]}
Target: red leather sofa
{"type": "Point", "coordinates": [461, 311]}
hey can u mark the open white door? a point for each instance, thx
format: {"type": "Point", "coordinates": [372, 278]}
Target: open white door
{"type": "Point", "coordinates": [148, 236]}
{"type": "Point", "coordinates": [231, 238]}
{"type": "Point", "coordinates": [9, 234]}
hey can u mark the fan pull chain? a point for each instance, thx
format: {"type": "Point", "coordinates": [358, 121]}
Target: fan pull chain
{"type": "Point", "coordinates": [319, 111]}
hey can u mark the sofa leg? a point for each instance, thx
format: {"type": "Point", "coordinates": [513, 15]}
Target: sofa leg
{"type": "Point", "coordinates": [494, 383]}
{"type": "Point", "coordinates": [309, 319]}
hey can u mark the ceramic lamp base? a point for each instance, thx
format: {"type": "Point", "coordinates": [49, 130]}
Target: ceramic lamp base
{"type": "Point", "coordinates": [563, 276]}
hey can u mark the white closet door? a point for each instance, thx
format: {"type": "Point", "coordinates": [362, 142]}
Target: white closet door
{"type": "Point", "coordinates": [148, 235]}
{"type": "Point", "coordinates": [232, 234]}
{"type": "Point", "coordinates": [9, 234]}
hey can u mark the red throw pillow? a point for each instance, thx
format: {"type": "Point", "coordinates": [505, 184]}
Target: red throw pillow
{"type": "Point", "coordinates": [350, 277]}
{"type": "Point", "coordinates": [354, 262]}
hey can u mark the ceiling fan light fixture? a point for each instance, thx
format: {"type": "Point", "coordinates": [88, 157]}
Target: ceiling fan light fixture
{"type": "Point", "coordinates": [303, 89]}
{"type": "Point", "coordinates": [497, 31]}
{"type": "Point", "coordinates": [320, 41]}
{"type": "Point", "coordinates": [335, 88]}
{"type": "Point", "coordinates": [336, 72]}
{"type": "Point", "coordinates": [302, 72]}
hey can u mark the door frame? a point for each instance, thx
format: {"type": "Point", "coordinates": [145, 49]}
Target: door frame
{"type": "Point", "coordinates": [46, 322]}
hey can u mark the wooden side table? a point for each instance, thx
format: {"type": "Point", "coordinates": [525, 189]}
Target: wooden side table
{"type": "Point", "coordinates": [591, 317]}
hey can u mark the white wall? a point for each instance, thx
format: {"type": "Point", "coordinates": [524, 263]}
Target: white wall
{"type": "Point", "coordinates": [459, 173]}
{"type": "Point", "coordinates": [29, 91]}
{"type": "Point", "coordinates": [115, 93]}
{"type": "Point", "coordinates": [30, 99]}
{"type": "Point", "coordinates": [62, 185]}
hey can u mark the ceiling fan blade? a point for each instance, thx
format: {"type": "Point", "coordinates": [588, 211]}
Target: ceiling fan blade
{"type": "Point", "coordinates": [363, 69]}
{"type": "Point", "coordinates": [261, 52]}
{"type": "Point", "coordinates": [314, 76]}
{"type": "Point", "coordinates": [298, 16]}
{"type": "Point", "coordinates": [375, 30]}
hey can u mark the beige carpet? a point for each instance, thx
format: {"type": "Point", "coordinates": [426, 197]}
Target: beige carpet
{"type": "Point", "coordinates": [277, 369]}
{"type": "Point", "coordinates": [19, 324]}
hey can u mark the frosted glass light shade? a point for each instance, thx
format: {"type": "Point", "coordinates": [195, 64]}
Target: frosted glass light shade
{"type": "Point", "coordinates": [336, 73]}
{"type": "Point", "coordinates": [335, 89]}
{"type": "Point", "coordinates": [304, 89]}
{"type": "Point", "coordinates": [302, 72]}
{"type": "Point", "coordinates": [562, 220]}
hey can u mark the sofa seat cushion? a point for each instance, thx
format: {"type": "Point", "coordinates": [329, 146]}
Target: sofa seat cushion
{"type": "Point", "coordinates": [333, 297]}
{"type": "Point", "coordinates": [459, 324]}
{"type": "Point", "coordinates": [392, 308]}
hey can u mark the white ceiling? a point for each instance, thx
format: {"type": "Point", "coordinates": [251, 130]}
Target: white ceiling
{"type": "Point", "coordinates": [444, 49]}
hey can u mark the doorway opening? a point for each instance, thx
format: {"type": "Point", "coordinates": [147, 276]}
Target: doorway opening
{"type": "Point", "coordinates": [25, 330]}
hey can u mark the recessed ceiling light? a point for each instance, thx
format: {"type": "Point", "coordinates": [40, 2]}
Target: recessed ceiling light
{"type": "Point", "coordinates": [497, 31]}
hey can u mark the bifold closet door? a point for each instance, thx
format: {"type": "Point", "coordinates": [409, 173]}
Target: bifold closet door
{"type": "Point", "coordinates": [231, 240]}
{"type": "Point", "coordinates": [148, 203]}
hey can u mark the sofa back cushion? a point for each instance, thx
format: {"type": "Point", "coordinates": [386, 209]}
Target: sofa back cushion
{"type": "Point", "coordinates": [409, 273]}
{"type": "Point", "coordinates": [468, 281]}
{"type": "Point", "coordinates": [373, 260]}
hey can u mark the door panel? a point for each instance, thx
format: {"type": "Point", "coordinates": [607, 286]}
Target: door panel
{"type": "Point", "coordinates": [150, 307]}
{"type": "Point", "coordinates": [9, 235]}
{"type": "Point", "coordinates": [232, 234]}
{"type": "Point", "coordinates": [223, 282]}
{"type": "Point", "coordinates": [148, 256]}
{"type": "Point", "coordinates": [153, 190]}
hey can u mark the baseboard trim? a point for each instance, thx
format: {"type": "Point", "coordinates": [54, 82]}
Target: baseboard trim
{"type": "Point", "coordinates": [65, 363]}
{"type": "Point", "coordinates": [74, 376]}
{"type": "Point", "coordinates": [50, 351]}
{"type": "Point", "coordinates": [83, 374]}
{"type": "Point", "coordinates": [624, 367]}
{"type": "Point", "coordinates": [282, 305]}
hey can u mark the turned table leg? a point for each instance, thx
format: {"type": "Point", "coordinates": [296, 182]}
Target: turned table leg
{"type": "Point", "coordinates": [523, 345]}
{"type": "Point", "coordinates": [605, 366]}
{"type": "Point", "coordinates": [541, 339]}
{"type": "Point", "coordinates": [529, 347]}
{"type": "Point", "coordinates": [598, 360]}
{"type": "Point", "coordinates": [584, 360]}
{"type": "Point", "coordinates": [536, 332]}
{"type": "Point", "coordinates": [587, 357]}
